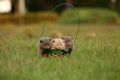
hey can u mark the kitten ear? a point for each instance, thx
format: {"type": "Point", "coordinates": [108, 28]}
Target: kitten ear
{"type": "Point", "coordinates": [41, 41]}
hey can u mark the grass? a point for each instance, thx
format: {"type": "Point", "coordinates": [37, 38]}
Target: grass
{"type": "Point", "coordinates": [94, 58]}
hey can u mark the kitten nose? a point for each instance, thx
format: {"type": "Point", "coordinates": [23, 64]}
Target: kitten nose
{"type": "Point", "coordinates": [68, 44]}
{"type": "Point", "coordinates": [58, 44]}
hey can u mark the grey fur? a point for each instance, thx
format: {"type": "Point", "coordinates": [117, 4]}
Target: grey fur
{"type": "Point", "coordinates": [69, 41]}
{"type": "Point", "coordinates": [44, 43]}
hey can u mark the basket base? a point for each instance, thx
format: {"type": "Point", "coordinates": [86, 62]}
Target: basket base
{"type": "Point", "coordinates": [55, 55]}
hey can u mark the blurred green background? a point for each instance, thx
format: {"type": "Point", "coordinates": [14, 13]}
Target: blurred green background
{"type": "Point", "coordinates": [97, 49]}
{"type": "Point", "coordinates": [90, 11]}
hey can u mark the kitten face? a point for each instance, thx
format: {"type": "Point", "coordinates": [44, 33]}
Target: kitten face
{"type": "Point", "coordinates": [68, 41]}
{"type": "Point", "coordinates": [58, 44]}
{"type": "Point", "coordinates": [45, 43]}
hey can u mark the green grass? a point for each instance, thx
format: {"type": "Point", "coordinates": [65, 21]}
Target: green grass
{"type": "Point", "coordinates": [96, 57]}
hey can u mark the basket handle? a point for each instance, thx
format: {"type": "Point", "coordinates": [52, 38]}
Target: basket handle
{"type": "Point", "coordinates": [66, 4]}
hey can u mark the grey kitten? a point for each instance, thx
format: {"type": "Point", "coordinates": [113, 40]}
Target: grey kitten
{"type": "Point", "coordinates": [44, 43]}
{"type": "Point", "coordinates": [69, 41]}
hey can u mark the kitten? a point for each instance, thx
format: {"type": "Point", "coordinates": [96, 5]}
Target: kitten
{"type": "Point", "coordinates": [57, 43]}
{"type": "Point", "coordinates": [44, 43]}
{"type": "Point", "coordinates": [69, 41]}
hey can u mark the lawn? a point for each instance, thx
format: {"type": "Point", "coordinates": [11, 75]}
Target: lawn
{"type": "Point", "coordinates": [96, 55]}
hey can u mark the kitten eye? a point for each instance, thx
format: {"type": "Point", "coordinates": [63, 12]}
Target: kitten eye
{"type": "Point", "coordinates": [53, 41]}
{"type": "Point", "coordinates": [41, 41]}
